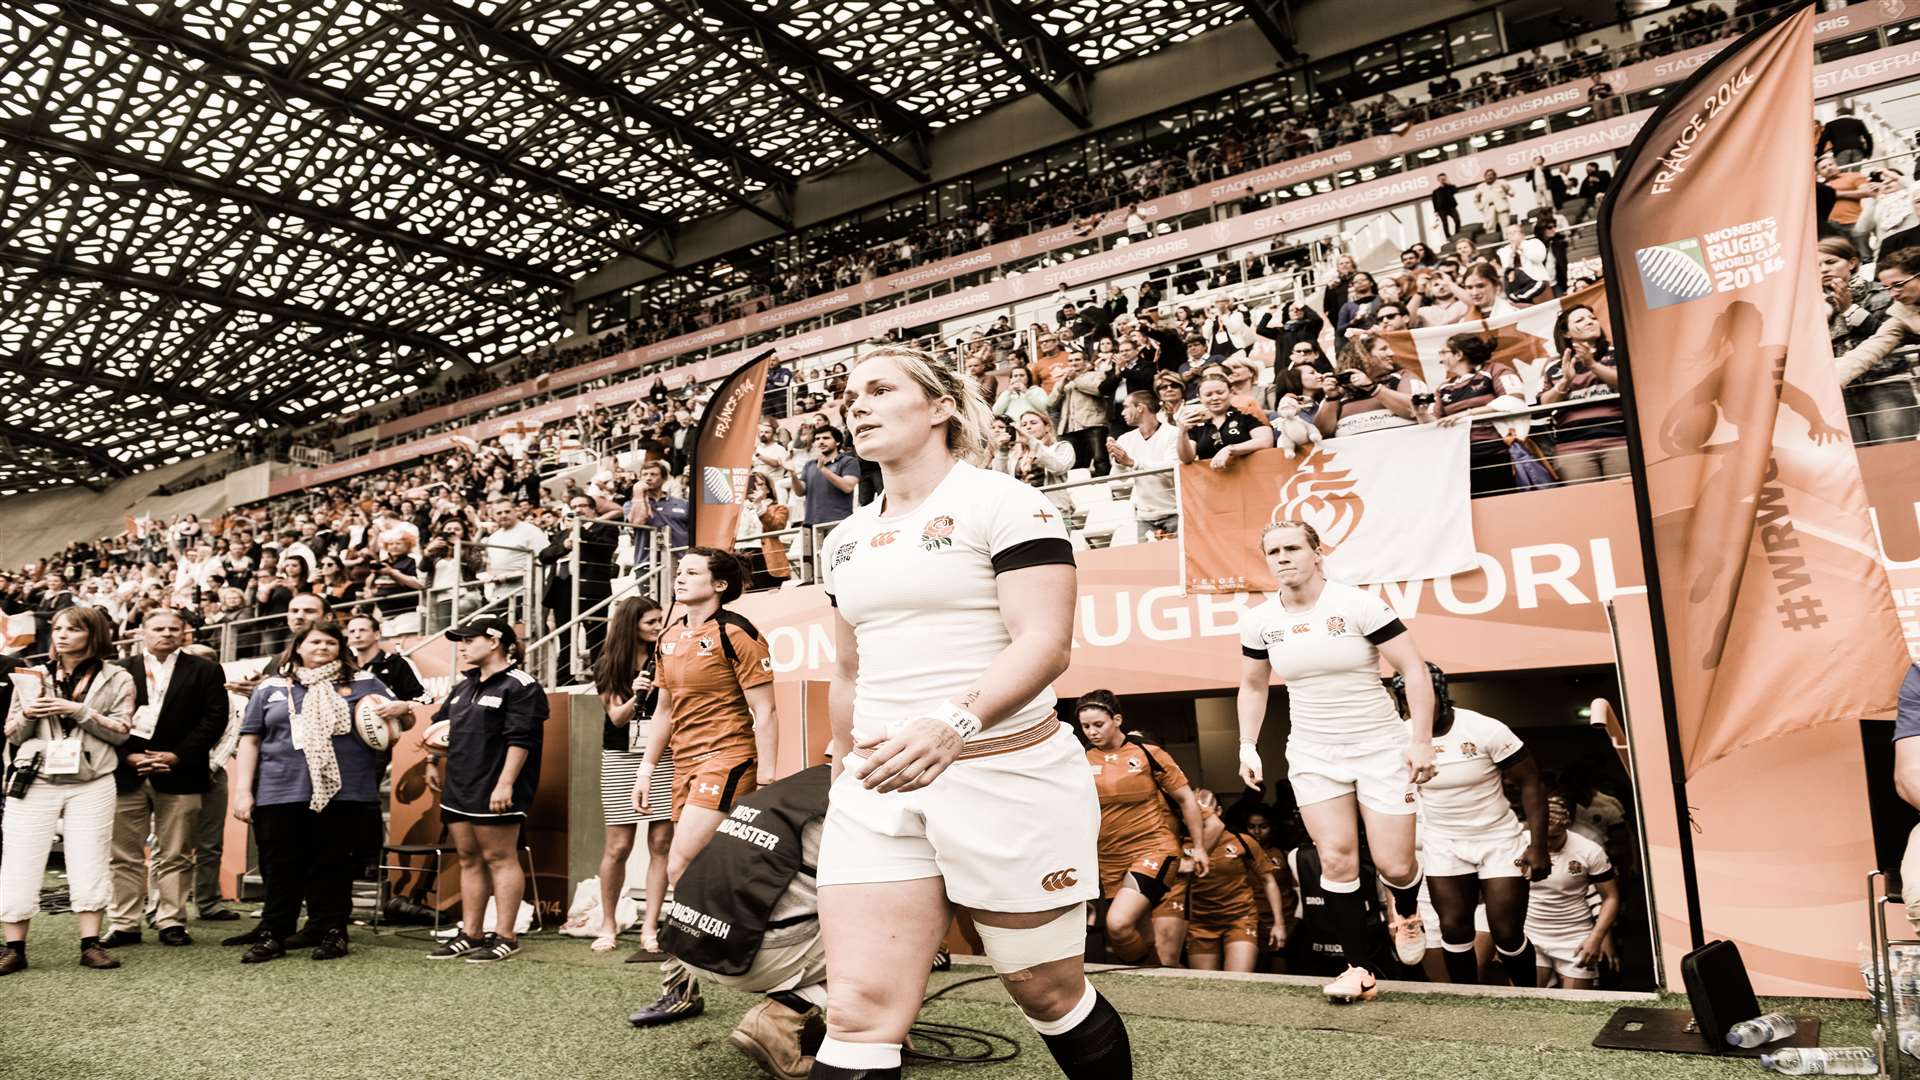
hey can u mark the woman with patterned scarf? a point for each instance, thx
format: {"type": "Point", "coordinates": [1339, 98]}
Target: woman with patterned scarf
{"type": "Point", "coordinates": [311, 790]}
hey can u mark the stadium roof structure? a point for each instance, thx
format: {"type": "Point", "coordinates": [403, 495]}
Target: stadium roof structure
{"type": "Point", "coordinates": [220, 217]}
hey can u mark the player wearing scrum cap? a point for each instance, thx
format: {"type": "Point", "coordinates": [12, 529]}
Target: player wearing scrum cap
{"type": "Point", "coordinates": [957, 787]}
{"type": "Point", "coordinates": [1350, 758]}
{"type": "Point", "coordinates": [495, 715]}
{"type": "Point", "coordinates": [1569, 937]}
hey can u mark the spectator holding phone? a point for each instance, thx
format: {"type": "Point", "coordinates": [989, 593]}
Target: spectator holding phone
{"type": "Point", "coordinates": [1040, 458]}
{"type": "Point", "coordinates": [1077, 401]}
{"type": "Point", "coordinates": [1212, 429]}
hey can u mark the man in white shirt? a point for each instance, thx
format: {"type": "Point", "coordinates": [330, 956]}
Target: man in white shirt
{"type": "Point", "coordinates": [1150, 445]}
{"type": "Point", "coordinates": [511, 549]}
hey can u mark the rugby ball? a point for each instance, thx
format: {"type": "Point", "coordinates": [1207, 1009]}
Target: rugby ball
{"type": "Point", "coordinates": [369, 726]}
{"type": "Point", "coordinates": [434, 738]}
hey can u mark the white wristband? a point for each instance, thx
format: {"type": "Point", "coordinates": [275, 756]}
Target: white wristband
{"type": "Point", "coordinates": [959, 719]}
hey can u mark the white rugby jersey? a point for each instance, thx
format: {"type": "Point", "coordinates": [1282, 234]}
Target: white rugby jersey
{"type": "Point", "coordinates": [1464, 799]}
{"type": "Point", "coordinates": [918, 590]}
{"type": "Point", "coordinates": [1557, 905]}
{"type": "Point", "coordinates": [1329, 657]}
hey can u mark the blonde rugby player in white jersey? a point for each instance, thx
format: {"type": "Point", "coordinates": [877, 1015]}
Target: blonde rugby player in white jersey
{"type": "Point", "coordinates": [957, 787]}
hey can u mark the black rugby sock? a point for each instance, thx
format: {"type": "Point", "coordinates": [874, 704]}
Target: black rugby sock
{"type": "Point", "coordinates": [1463, 968]}
{"type": "Point", "coordinates": [1519, 964]}
{"type": "Point", "coordinates": [1406, 898]}
{"type": "Point", "coordinates": [1095, 1048]}
{"type": "Point", "coordinates": [1356, 930]}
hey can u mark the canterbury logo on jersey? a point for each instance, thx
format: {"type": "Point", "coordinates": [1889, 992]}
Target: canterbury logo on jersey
{"type": "Point", "coordinates": [1301, 628]}
{"type": "Point", "coordinates": [1060, 879]}
{"type": "Point", "coordinates": [882, 539]}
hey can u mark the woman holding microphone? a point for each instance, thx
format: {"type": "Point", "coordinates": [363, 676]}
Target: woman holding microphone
{"type": "Point", "coordinates": [623, 675]}
{"type": "Point", "coordinates": [1351, 760]}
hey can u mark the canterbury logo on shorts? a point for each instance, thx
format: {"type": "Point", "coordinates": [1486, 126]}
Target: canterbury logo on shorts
{"type": "Point", "coordinates": [1060, 879]}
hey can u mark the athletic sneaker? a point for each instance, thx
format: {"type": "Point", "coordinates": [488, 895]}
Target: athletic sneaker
{"type": "Point", "coordinates": [1354, 984]}
{"type": "Point", "coordinates": [495, 950]}
{"type": "Point", "coordinates": [682, 1001]}
{"type": "Point", "coordinates": [1410, 939]}
{"type": "Point", "coordinates": [456, 947]}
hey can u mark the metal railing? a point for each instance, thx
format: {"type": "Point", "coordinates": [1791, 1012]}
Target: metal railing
{"type": "Point", "coordinates": [601, 570]}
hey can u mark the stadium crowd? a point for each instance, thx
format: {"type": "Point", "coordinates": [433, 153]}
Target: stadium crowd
{"type": "Point", "coordinates": [1121, 378]}
{"type": "Point", "coordinates": [1125, 380]}
{"type": "Point", "coordinates": [1208, 148]}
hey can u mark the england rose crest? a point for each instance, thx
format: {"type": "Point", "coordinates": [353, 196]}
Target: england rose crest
{"type": "Point", "coordinates": [937, 534]}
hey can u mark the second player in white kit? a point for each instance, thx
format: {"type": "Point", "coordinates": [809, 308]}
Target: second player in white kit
{"type": "Point", "coordinates": [1475, 848]}
{"type": "Point", "coordinates": [956, 785]}
{"type": "Point", "coordinates": [1350, 758]}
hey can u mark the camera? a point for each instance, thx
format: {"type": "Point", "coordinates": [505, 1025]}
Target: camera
{"type": "Point", "coordinates": [1346, 380]}
{"type": "Point", "coordinates": [23, 775]}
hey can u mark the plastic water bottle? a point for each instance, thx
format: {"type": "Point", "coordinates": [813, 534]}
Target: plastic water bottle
{"type": "Point", "coordinates": [1761, 1030]}
{"type": "Point", "coordinates": [1903, 972]}
{"type": "Point", "coordinates": [1839, 1061]}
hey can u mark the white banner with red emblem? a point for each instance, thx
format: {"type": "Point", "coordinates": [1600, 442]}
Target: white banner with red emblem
{"type": "Point", "coordinates": [1389, 506]}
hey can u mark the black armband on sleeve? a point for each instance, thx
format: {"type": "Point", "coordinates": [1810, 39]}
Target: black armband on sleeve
{"type": "Point", "coordinates": [1253, 653]}
{"type": "Point", "coordinates": [1525, 753]}
{"type": "Point", "coordinates": [1046, 551]}
{"type": "Point", "coordinates": [1387, 632]}
{"type": "Point", "coordinates": [1595, 879]}
{"type": "Point", "coordinates": [832, 601]}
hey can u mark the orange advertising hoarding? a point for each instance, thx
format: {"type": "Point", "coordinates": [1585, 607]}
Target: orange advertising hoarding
{"type": "Point", "coordinates": [1547, 562]}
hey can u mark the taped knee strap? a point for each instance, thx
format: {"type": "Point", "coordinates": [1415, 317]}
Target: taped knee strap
{"type": "Point", "coordinates": [1017, 950]}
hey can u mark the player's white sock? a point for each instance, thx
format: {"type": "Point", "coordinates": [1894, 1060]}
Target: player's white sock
{"type": "Point", "coordinates": [1073, 1017]}
{"type": "Point", "coordinates": [858, 1056]}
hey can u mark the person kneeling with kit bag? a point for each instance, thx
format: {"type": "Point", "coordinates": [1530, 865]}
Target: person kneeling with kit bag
{"type": "Point", "coordinates": [745, 913]}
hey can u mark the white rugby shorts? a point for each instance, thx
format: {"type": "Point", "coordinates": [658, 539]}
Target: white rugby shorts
{"type": "Point", "coordinates": [1455, 856]}
{"type": "Point", "coordinates": [1558, 950]}
{"type": "Point", "coordinates": [1015, 830]}
{"type": "Point", "coordinates": [1374, 772]}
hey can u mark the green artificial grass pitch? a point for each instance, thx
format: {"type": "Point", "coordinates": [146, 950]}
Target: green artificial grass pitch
{"type": "Point", "coordinates": [559, 1010]}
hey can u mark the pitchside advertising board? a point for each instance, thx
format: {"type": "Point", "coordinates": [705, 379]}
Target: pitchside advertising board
{"type": "Point", "coordinates": [1545, 563]}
